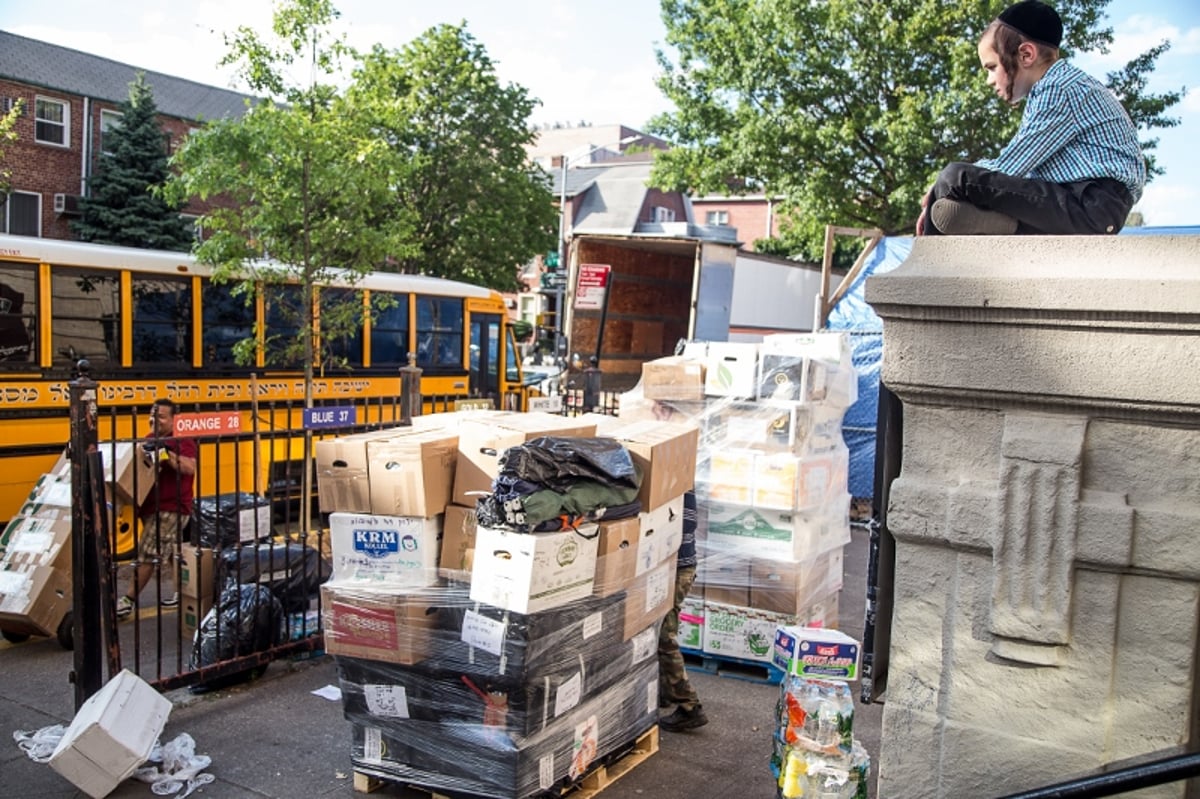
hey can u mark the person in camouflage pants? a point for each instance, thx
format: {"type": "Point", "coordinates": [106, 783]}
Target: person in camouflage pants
{"type": "Point", "coordinates": [674, 688]}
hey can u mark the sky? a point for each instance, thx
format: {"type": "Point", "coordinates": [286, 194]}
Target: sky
{"type": "Point", "coordinates": [585, 60]}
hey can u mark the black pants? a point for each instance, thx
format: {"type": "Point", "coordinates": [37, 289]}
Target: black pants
{"type": "Point", "coordinates": [1089, 207]}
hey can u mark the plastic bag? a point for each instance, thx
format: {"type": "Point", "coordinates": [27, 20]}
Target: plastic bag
{"type": "Point", "coordinates": [293, 571]}
{"type": "Point", "coordinates": [40, 744]}
{"type": "Point", "coordinates": [220, 518]}
{"type": "Point", "coordinates": [180, 768]}
{"type": "Point", "coordinates": [245, 620]}
{"type": "Point", "coordinates": [558, 462]}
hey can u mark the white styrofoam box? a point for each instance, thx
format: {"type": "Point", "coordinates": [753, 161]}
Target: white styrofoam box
{"type": "Point", "coordinates": [660, 532]}
{"type": "Point", "coordinates": [732, 369]}
{"type": "Point", "coordinates": [785, 535]}
{"type": "Point", "coordinates": [532, 572]}
{"type": "Point", "coordinates": [393, 550]}
{"type": "Point", "coordinates": [111, 735]}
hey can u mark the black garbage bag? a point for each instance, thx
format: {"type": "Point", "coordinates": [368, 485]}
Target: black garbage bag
{"type": "Point", "coordinates": [244, 621]}
{"type": "Point", "coordinates": [221, 518]}
{"type": "Point", "coordinates": [557, 463]}
{"type": "Point", "coordinates": [292, 571]}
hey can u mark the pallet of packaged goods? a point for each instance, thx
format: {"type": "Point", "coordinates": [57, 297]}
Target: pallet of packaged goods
{"type": "Point", "coordinates": [592, 784]}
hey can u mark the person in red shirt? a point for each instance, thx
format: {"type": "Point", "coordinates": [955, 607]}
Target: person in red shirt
{"type": "Point", "coordinates": [168, 507]}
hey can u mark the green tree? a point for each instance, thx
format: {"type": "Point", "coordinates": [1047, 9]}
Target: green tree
{"type": "Point", "coordinates": [848, 109]}
{"type": "Point", "coordinates": [480, 207]}
{"type": "Point", "coordinates": [299, 184]}
{"type": "Point", "coordinates": [121, 207]}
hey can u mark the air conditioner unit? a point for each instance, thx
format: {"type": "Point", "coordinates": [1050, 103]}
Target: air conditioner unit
{"type": "Point", "coordinates": [66, 204]}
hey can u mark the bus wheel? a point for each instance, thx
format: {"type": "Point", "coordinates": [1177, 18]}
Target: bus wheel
{"type": "Point", "coordinates": [15, 638]}
{"type": "Point", "coordinates": [126, 541]}
{"type": "Point", "coordinates": [66, 632]}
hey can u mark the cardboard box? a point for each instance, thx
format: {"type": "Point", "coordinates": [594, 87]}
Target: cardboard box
{"type": "Point", "coordinates": [816, 653]}
{"type": "Point", "coordinates": [400, 551]}
{"type": "Point", "coordinates": [691, 624]}
{"type": "Point", "coordinates": [730, 476]}
{"type": "Point", "coordinates": [731, 369]}
{"type": "Point", "coordinates": [649, 599]}
{"type": "Point", "coordinates": [192, 611]}
{"type": "Point", "coordinates": [34, 599]}
{"type": "Point", "coordinates": [791, 587]}
{"type": "Point", "coordinates": [134, 474]}
{"type": "Point", "coordinates": [666, 454]}
{"type": "Point", "coordinates": [36, 541]}
{"type": "Point", "coordinates": [483, 439]}
{"type": "Point", "coordinates": [660, 532]}
{"type": "Point", "coordinates": [766, 426]}
{"type": "Point", "coordinates": [616, 555]}
{"type": "Point", "coordinates": [342, 482]}
{"type": "Point", "coordinates": [51, 490]}
{"type": "Point", "coordinates": [673, 378]}
{"type": "Point", "coordinates": [111, 735]}
{"type": "Point", "coordinates": [412, 474]}
{"type": "Point", "coordinates": [783, 481]}
{"type": "Point", "coordinates": [778, 534]}
{"type": "Point", "coordinates": [379, 624]}
{"type": "Point", "coordinates": [725, 577]}
{"type": "Point", "coordinates": [532, 572]}
{"type": "Point", "coordinates": [196, 571]}
{"type": "Point", "coordinates": [458, 544]}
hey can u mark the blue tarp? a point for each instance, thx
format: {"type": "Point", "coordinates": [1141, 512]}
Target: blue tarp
{"type": "Point", "coordinates": [854, 315]}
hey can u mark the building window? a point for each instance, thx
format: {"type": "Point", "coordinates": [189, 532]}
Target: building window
{"type": "Point", "coordinates": [21, 214]}
{"type": "Point", "coordinates": [109, 120]}
{"type": "Point", "coordinates": [716, 218]}
{"type": "Point", "coordinates": [662, 214]}
{"type": "Point", "coordinates": [53, 124]}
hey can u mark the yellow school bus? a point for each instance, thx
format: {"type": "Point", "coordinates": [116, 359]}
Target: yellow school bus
{"type": "Point", "coordinates": [153, 324]}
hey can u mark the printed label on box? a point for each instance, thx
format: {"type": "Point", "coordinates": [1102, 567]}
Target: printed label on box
{"type": "Point", "coordinates": [568, 695]}
{"type": "Point", "coordinates": [480, 631]}
{"type": "Point", "coordinates": [373, 745]}
{"type": "Point", "coordinates": [389, 701]}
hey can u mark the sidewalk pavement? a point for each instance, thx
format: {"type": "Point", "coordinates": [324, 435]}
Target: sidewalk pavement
{"type": "Point", "coordinates": [274, 738]}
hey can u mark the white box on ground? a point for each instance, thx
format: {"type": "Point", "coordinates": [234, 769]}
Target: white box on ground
{"type": "Point", "coordinates": [111, 735]}
{"type": "Point", "coordinates": [392, 550]}
{"type": "Point", "coordinates": [532, 572]}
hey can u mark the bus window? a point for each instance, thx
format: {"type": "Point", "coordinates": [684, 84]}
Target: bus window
{"type": "Point", "coordinates": [389, 332]}
{"type": "Point", "coordinates": [337, 304]}
{"type": "Point", "coordinates": [162, 320]}
{"type": "Point", "coordinates": [512, 362]}
{"type": "Point", "coordinates": [227, 320]}
{"type": "Point", "coordinates": [18, 314]}
{"type": "Point", "coordinates": [440, 333]}
{"type": "Point", "coordinates": [85, 310]}
{"type": "Point", "coordinates": [284, 314]}
{"type": "Point", "coordinates": [485, 355]}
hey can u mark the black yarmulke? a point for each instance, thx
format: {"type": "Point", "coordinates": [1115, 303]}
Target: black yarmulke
{"type": "Point", "coordinates": [1035, 20]}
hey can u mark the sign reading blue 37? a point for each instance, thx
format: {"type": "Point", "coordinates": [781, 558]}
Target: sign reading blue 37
{"type": "Point", "coordinates": [329, 416]}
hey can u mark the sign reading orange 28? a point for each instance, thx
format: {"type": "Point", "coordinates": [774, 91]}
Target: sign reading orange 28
{"type": "Point", "coordinates": [218, 423]}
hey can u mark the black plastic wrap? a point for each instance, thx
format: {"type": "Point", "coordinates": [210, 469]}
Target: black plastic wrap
{"type": "Point", "coordinates": [482, 760]}
{"type": "Point", "coordinates": [557, 463]}
{"type": "Point", "coordinates": [292, 571]}
{"type": "Point", "coordinates": [220, 518]}
{"type": "Point", "coordinates": [244, 621]}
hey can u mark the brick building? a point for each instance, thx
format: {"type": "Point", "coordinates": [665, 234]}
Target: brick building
{"type": "Point", "coordinates": [70, 100]}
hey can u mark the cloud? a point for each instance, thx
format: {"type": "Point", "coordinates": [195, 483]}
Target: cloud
{"type": "Point", "coordinates": [1164, 203]}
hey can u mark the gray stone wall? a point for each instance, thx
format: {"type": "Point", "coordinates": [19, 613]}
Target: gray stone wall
{"type": "Point", "coordinates": [1046, 515]}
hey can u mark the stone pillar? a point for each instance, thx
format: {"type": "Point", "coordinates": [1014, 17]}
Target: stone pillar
{"type": "Point", "coordinates": [1047, 515]}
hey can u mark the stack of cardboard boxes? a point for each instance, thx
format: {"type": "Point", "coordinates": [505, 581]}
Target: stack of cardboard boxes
{"type": "Point", "coordinates": [771, 482]}
{"type": "Point", "coordinates": [492, 661]}
{"type": "Point", "coordinates": [35, 547]}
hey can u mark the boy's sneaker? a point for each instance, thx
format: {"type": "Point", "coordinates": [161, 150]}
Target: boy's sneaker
{"type": "Point", "coordinates": [169, 601]}
{"type": "Point", "coordinates": [124, 607]}
{"type": "Point", "coordinates": [955, 218]}
{"type": "Point", "coordinates": [682, 719]}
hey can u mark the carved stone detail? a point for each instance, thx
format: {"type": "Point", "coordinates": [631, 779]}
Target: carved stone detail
{"type": "Point", "coordinates": [1034, 554]}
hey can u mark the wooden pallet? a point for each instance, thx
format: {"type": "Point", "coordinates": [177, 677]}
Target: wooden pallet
{"type": "Point", "coordinates": [733, 668]}
{"type": "Point", "coordinates": [590, 786]}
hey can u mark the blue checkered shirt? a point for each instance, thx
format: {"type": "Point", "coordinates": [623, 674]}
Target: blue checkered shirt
{"type": "Point", "coordinates": [1073, 128]}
